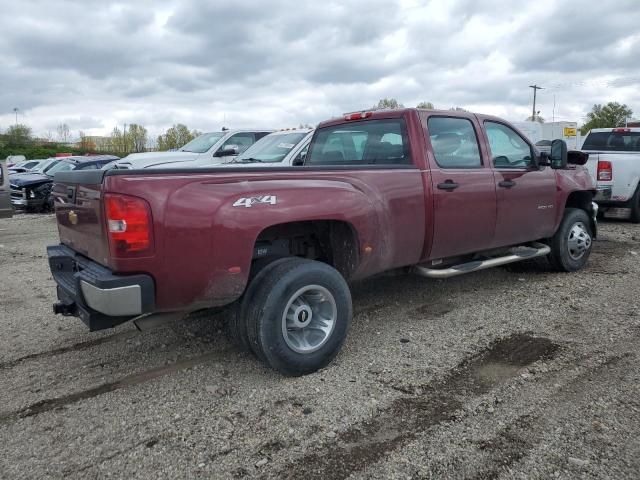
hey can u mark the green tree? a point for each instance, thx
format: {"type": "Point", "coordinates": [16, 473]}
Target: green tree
{"type": "Point", "coordinates": [136, 138]}
{"type": "Point", "coordinates": [427, 105]}
{"type": "Point", "coordinates": [176, 137]}
{"type": "Point", "coordinates": [388, 103]}
{"type": "Point", "coordinates": [117, 141]}
{"type": "Point", "coordinates": [610, 115]}
{"type": "Point", "coordinates": [18, 135]}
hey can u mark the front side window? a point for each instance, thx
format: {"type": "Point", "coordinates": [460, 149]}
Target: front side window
{"type": "Point", "coordinates": [242, 140]}
{"type": "Point", "coordinates": [202, 143]}
{"type": "Point", "coordinates": [371, 142]}
{"type": "Point", "coordinates": [454, 142]}
{"type": "Point", "coordinates": [508, 148]}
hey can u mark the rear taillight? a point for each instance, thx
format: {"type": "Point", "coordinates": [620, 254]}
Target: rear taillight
{"type": "Point", "coordinates": [605, 171]}
{"type": "Point", "coordinates": [128, 226]}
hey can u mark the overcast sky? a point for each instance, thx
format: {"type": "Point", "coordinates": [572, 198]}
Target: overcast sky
{"type": "Point", "coordinates": [97, 64]}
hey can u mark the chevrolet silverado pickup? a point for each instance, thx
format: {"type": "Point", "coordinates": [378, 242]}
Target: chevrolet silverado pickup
{"type": "Point", "coordinates": [434, 193]}
{"type": "Point", "coordinates": [614, 163]}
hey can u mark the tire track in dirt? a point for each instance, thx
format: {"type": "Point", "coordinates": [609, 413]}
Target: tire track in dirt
{"type": "Point", "coordinates": [76, 347]}
{"type": "Point", "coordinates": [49, 404]}
{"type": "Point", "coordinates": [408, 416]}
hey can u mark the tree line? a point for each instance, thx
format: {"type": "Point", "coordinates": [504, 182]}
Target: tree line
{"type": "Point", "coordinates": [132, 138]}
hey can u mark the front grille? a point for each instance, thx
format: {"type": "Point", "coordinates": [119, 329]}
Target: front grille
{"type": "Point", "coordinates": [17, 192]}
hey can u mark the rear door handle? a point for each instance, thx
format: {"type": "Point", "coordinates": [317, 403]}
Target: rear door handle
{"type": "Point", "coordinates": [448, 185]}
{"type": "Point", "coordinates": [507, 183]}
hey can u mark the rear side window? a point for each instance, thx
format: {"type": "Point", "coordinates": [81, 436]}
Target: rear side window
{"type": "Point", "coordinates": [613, 141]}
{"type": "Point", "coordinates": [454, 142]}
{"type": "Point", "coordinates": [372, 142]}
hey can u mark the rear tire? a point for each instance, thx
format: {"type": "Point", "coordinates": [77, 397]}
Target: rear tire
{"type": "Point", "coordinates": [572, 242]}
{"type": "Point", "coordinates": [635, 207]}
{"type": "Point", "coordinates": [235, 321]}
{"type": "Point", "coordinates": [298, 317]}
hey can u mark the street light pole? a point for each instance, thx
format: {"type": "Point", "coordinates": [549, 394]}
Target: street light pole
{"type": "Point", "coordinates": [535, 91]}
{"type": "Point", "coordinates": [15, 110]}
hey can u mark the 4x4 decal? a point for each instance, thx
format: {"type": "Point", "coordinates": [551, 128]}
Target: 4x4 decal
{"type": "Point", "coordinates": [250, 201]}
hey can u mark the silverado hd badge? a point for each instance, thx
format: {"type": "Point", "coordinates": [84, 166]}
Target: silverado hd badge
{"type": "Point", "coordinates": [250, 201]}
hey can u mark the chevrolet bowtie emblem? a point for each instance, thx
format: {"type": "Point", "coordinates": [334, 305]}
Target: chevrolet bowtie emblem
{"type": "Point", "coordinates": [73, 217]}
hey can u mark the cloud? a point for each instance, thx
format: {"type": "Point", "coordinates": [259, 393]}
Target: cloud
{"type": "Point", "coordinates": [98, 64]}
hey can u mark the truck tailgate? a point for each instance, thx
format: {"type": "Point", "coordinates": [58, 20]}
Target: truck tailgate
{"type": "Point", "coordinates": [79, 213]}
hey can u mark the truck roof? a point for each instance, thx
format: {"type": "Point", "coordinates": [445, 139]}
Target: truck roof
{"type": "Point", "coordinates": [400, 112]}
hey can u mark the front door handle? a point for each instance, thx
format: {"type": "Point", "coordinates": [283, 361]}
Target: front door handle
{"type": "Point", "coordinates": [507, 183]}
{"type": "Point", "coordinates": [448, 185]}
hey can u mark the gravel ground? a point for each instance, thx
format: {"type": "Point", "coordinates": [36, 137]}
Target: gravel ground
{"type": "Point", "coordinates": [508, 373]}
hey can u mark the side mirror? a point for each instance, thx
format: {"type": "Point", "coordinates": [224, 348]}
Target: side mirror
{"type": "Point", "coordinates": [228, 151]}
{"type": "Point", "coordinates": [299, 160]}
{"type": "Point", "coordinates": [559, 154]}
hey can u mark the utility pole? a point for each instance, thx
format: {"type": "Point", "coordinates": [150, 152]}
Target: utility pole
{"type": "Point", "coordinates": [15, 110]}
{"type": "Point", "coordinates": [535, 91]}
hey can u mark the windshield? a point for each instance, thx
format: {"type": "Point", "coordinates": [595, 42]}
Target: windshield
{"type": "Point", "coordinates": [202, 143]}
{"type": "Point", "coordinates": [61, 167]}
{"type": "Point", "coordinates": [49, 165]}
{"type": "Point", "coordinates": [272, 148]}
{"type": "Point", "coordinates": [621, 141]}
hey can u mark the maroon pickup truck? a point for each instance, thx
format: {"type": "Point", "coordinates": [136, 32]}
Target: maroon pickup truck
{"type": "Point", "coordinates": [436, 193]}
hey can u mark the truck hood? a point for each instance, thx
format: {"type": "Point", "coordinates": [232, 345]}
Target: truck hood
{"type": "Point", "coordinates": [29, 179]}
{"type": "Point", "coordinates": [151, 159]}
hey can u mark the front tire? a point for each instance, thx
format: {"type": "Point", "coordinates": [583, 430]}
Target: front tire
{"type": "Point", "coordinates": [571, 245]}
{"type": "Point", "coordinates": [299, 316]}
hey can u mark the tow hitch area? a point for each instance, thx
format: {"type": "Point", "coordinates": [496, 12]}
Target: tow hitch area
{"type": "Point", "coordinates": [61, 308]}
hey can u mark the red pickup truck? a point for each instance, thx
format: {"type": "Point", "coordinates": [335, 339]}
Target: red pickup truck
{"type": "Point", "coordinates": [436, 193]}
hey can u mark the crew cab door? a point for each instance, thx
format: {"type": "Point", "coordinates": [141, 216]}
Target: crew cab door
{"type": "Point", "coordinates": [6, 209]}
{"type": "Point", "coordinates": [464, 192]}
{"type": "Point", "coordinates": [526, 194]}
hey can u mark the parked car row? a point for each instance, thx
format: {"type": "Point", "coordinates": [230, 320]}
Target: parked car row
{"type": "Point", "coordinates": [31, 191]}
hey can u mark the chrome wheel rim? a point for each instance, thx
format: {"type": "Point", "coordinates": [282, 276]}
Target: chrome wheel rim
{"type": "Point", "coordinates": [579, 241]}
{"type": "Point", "coordinates": [309, 319]}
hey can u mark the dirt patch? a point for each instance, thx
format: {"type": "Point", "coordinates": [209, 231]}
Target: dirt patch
{"type": "Point", "coordinates": [434, 309]}
{"type": "Point", "coordinates": [366, 443]}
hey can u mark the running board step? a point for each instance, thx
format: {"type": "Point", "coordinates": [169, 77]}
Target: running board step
{"type": "Point", "coordinates": [525, 253]}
